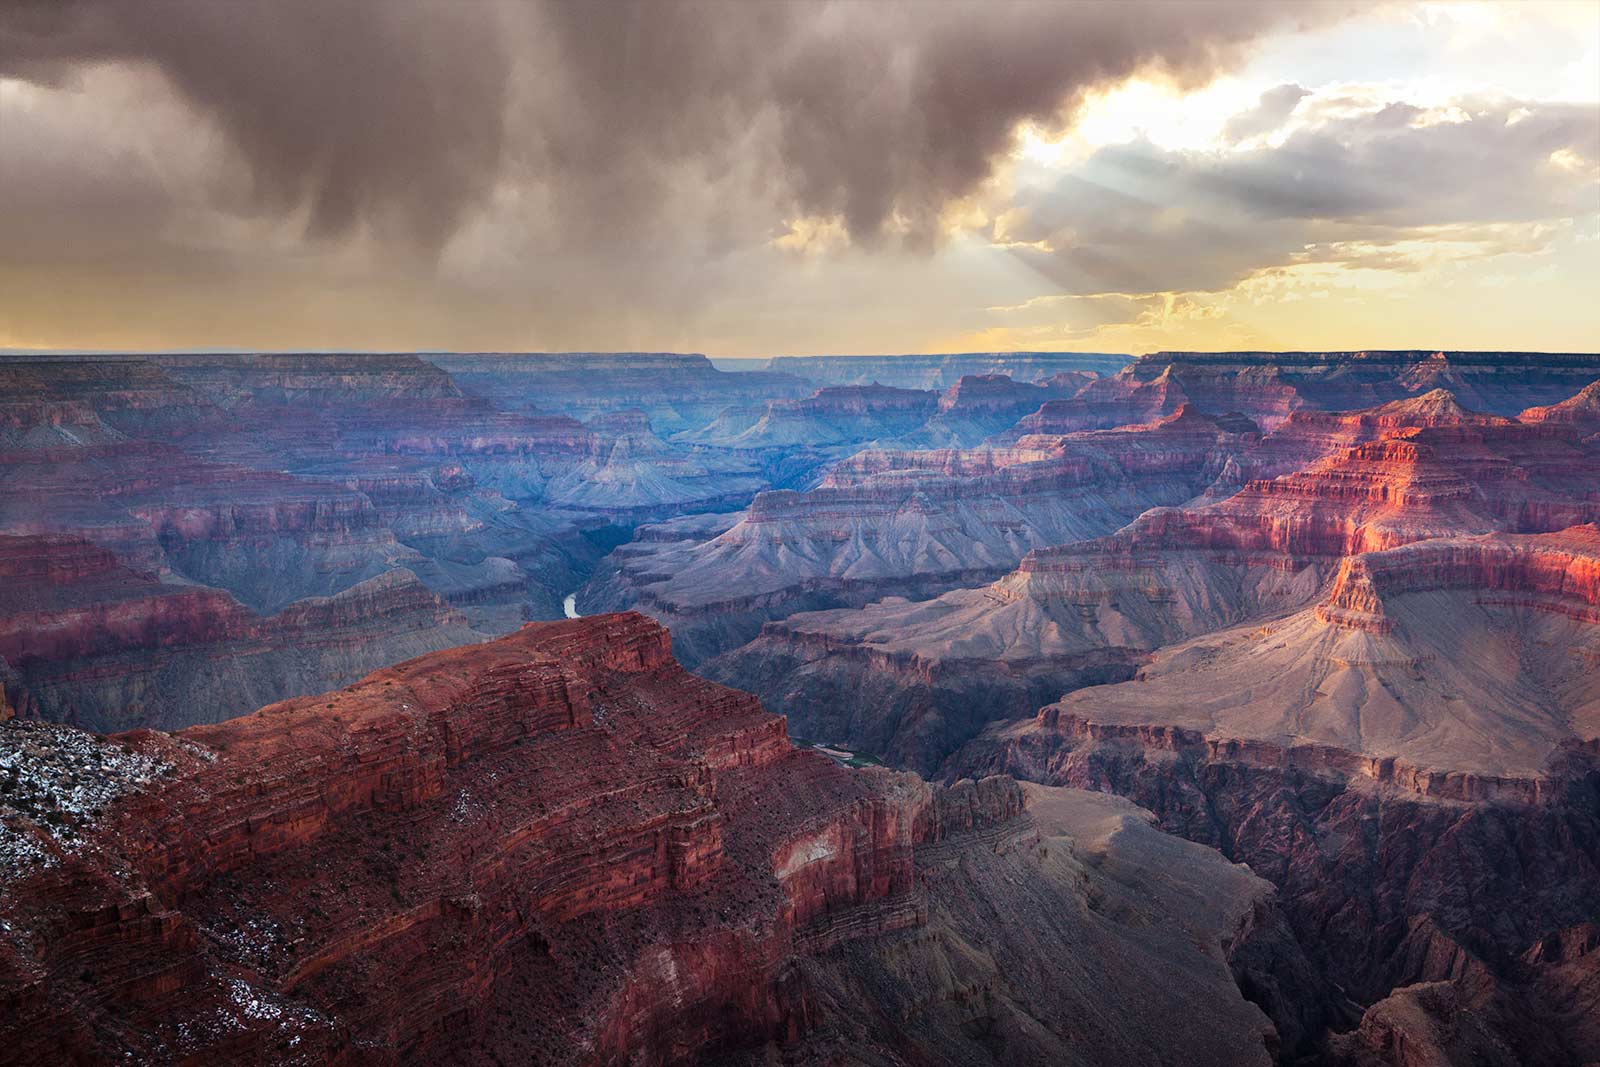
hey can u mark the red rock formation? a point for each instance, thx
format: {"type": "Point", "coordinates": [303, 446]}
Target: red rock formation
{"type": "Point", "coordinates": [1465, 476]}
{"type": "Point", "coordinates": [561, 848]}
{"type": "Point", "coordinates": [1554, 572]}
{"type": "Point", "coordinates": [266, 479]}
{"type": "Point", "coordinates": [1309, 435]}
{"type": "Point", "coordinates": [1581, 410]}
{"type": "Point", "coordinates": [1269, 387]}
{"type": "Point", "coordinates": [910, 681]}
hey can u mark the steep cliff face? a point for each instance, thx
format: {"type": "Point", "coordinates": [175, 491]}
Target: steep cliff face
{"type": "Point", "coordinates": [1270, 387]}
{"type": "Point", "coordinates": [66, 401]}
{"type": "Point", "coordinates": [1423, 911]}
{"type": "Point", "coordinates": [1466, 475]}
{"type": "Point", "coordinates": [1470, 657]}
{"type": "Point", "coordinates": [1090, 612]}
{"type": "Point", "coordinates": [561, 848]}
{"type": "Point", "coordinates": [980, 406]}
{"type": "Point", "coordinates": [1311, 435]}
{"type": "Point", "coordinates": [268, 481]}
{"type": "Point", "coordinates": [1103, 404]}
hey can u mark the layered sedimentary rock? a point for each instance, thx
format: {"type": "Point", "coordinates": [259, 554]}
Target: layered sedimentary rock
{"type": "Point", "coordinates": [57, 401]}
{"type": "Point", "coordinates": [236, 380]}
{"type": "Point", "coordinates": [1259, 394]}
{"type": "Point", "coordinates": [901, 522]}
{"type": "Point", "coordinates": [1500, 383]}
{"type": "Point", "coordinates": [561, 848]}
{"type": "Point", "coordinates": [1310, 435]}
{"type": "Point", "coordinates": [1459, 666]}
{"type": "Point", "coordinates": [942, 372]}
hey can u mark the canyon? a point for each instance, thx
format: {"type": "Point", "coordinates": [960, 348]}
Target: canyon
{"type": "Point", "coordinates": [1045, 708]}
{"type": "Point", "coordinates": [1363, 662]}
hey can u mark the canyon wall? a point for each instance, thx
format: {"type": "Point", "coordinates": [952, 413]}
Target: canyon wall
{"type": "Point", "coordinates": [561, 848]}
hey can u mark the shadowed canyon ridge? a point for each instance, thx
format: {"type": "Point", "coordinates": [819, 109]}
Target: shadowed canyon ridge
{"type": "Point", "coordinates": [1231, 708]}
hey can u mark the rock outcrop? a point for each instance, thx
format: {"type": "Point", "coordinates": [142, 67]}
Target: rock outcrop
{"type": "Point", "coordinates": [1581, 410]}
{"type": "Point", "coordinates": [1500, 383]}
{"type": "Point", "coordinates": [979, 406]}
{"type": "Point", "coordinates": [561, 848]}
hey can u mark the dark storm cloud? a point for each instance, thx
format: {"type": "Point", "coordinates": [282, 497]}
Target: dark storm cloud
{"type": "Point", "coordinates": [407, 115]}
{"type": "Point", "coordinates": [1136, 218]}
{"type": "Point", "coordinates": [385, 112]}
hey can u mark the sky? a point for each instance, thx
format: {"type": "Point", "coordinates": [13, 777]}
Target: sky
{"type": "Point", "coordinates": [757, 179]}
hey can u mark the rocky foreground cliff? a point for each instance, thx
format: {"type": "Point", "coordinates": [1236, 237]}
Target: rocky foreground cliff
{"type": "Point", "coordinates": [559, 847]}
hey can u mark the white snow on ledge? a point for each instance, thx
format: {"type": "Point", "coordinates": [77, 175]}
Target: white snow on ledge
{"type": "Point", "coordinates": [55, 782]}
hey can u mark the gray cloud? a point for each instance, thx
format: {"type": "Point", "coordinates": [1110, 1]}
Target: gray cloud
{"type": "Point", "coordinates": [1276, 105]}
{"type": "Point", "coordinates": [405, 116]}
{"type": "Point", "coordinates": [1137, 218]}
